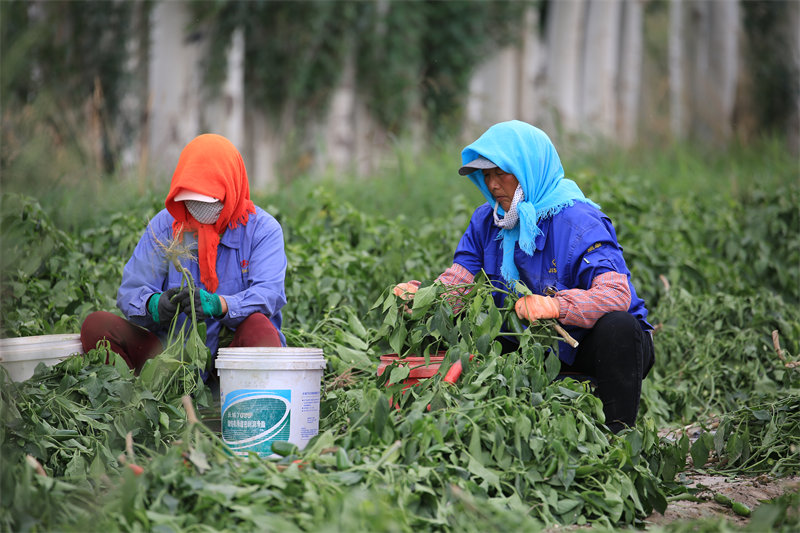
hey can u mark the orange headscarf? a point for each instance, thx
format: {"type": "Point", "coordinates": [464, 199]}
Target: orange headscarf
{"type": "Point", "coordinates": [211, 165]}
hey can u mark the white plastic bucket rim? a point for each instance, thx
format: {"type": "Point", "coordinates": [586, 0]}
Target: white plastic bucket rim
{"type": "Point", "coordinates": [287, 358]}
{"type": "Point", "coordinates": [57, 347]}
{"type": "Point", "coordinates": [268, 350]}
{"type": "Point", "coordinates": [38, 340]}
{"type": "Point", "coordinates": [21, 355]}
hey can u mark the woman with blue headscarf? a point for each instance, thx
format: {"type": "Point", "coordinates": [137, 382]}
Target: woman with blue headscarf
{"type": "Point", "coordinates": [538, 227]}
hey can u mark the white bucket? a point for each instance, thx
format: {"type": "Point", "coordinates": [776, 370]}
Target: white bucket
{"type": "Point", "coordinates": [21, 355]}
{"type": "Point", "coordinates": [269, 394]}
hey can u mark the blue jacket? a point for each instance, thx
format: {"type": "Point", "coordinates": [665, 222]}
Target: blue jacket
{"type": "Point", "coordinates": [576, 245]}
{"type": "Point", "coordinates": [251, 267]}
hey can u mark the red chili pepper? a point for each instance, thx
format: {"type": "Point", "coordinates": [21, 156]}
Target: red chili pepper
{"type": "Point", "coordinates": [454, 372]}
{"type": "Point", "coordinates": [136, 469]}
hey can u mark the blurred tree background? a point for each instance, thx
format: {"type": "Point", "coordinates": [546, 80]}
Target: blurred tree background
{"type": "Point", "coordinates": [94, 91]}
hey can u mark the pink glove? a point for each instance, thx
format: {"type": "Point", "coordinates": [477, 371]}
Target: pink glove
{"type": "Point", "coordinates": [534, 307]}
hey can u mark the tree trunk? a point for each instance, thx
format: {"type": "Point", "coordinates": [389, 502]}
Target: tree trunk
{"type": "Point", "coordinates": [565, 47]}
{"type": "Point", "coordinates": [598, 80]}
{"type": "Point", "coordinates": [134, 104]}
{"type": "Point", "coordinates": [794, 120]}
{"type": "Point", "coordinates": [724, 45]}
{"type": "Point", "coordinates": [530, 70]}
{"type": "Point", "coordinates": [630, 72]}
{"type": "Point", "coordinates": [676, 102]}
{"type": "Point", "coordinates": [174, 79]}
{"type": "Point", "coordinates": [340, 132]}
{"type": "Point", "coordinates": [713, 37]}
{"type": "Point", "coordinates": [225, 114]}
{"type": "Point", "coordinates": [233, 91]}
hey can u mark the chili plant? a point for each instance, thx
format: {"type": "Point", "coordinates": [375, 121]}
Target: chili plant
{"type": "Point", "coordinates": [178, 369]}
{"type": "Point", "coordinates": [462, 319]}
{"type": "Point", "coordinates": [760, 439]}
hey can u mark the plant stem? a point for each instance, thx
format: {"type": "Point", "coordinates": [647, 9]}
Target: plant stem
{"type": "Point", "coordinates": [566, 336]}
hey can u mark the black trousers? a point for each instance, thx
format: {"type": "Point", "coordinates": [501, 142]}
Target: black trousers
{"type": "Point", "coordinates": [618, 355]}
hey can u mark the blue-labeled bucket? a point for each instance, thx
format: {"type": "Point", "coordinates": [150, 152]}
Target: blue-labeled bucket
{"type": "Point", "coordinates": [267, 395]}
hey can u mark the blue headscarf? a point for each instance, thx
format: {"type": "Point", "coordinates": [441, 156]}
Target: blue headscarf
{"type": "Point", "coordinates": [527, 152]}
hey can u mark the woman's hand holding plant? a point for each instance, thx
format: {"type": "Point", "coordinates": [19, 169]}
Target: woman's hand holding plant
{"type": "Point", "coordinates": [206, 304]}
{"type": "Point", "coordinates": [406, 291]}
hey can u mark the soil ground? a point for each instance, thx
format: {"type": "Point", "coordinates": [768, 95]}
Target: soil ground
{"type": "Point", "coordinates": [750, 491]}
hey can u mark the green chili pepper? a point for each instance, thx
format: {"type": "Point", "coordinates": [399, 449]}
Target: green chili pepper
{"type": "Point", "coordinates": [551, 468]}
{"type": "Point", "coordinates": [342, 460]}
{"type": "Point", "coordinates": [741, 509]}
{"type": "Point", "coordinates": [283, 448]}
{"type": "Point", "coordinates": [724, 500]}
{"type": "Point", "coordinates": [514, 323]}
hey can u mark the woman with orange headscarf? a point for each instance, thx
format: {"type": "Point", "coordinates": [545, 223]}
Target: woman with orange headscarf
{"type": "Point", "coordinates": [233, 250]}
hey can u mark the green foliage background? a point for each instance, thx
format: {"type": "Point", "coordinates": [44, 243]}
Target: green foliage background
{"type": "Point", "coordinates": [713, 244]}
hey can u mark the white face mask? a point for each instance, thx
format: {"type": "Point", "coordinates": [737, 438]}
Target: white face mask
{"type": "Point", "coordinates": [204, 212]}
{"type": "Point", "coordinates": [511, 217]}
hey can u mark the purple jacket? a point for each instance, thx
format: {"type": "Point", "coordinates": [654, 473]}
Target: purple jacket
{"type": "Point", "coordinates": [251, 267]}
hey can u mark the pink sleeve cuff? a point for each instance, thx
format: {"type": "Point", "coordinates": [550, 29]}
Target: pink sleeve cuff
{"type": "Point", "coordinates": [456, 275]}
{"type": "Point", "coordinates": [583, 308]}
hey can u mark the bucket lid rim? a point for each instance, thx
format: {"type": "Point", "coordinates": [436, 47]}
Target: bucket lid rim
{"type": "Point", "coordinates": [318, 364]}
{"type": "Point", "coordinates": [41, 339]}
{"type": "Point", "coordinates": [278, 350]}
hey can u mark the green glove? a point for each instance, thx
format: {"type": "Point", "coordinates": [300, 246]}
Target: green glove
{"type": "Point", "coordinates": [206, 304]}
{"type": "Point", "coordinates": [163, 306]}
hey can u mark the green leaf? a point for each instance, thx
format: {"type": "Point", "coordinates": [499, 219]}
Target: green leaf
{"type": "Point", "coordinates": [97, 468]}
{"type": "Point", "coordinates": [397, 339]}
{"type": "Point", "coordinates": [761, 414]}
{"type": "Point", "coordinates": [521, 288]}
{"type": "Point", "coordinates": [119, 363]}
{"type": "Point", "coordinates": [475, 442]}
{"type": "Point", "coordinates": [348, 477]}
{"type": "Point", "coordinates": [389, 302]}
{"type": "Point", "coordinates": [199, 460]}
{"type": "Point", "coordinates": [319, 442]}
{"type": "Point", "coordinates": [380, 415]}
{"type": "Point", "coordinates": [552, 366]}
{"type": "Point", "coordinates": [76, 468]}
{"type": "Point", "coordinates": [391, 316]}
{"type": "Point", "coordinates": [355, 324]}
{"type": "Point", "coordinates": [634, 438]}
{"type": "Point", "coordinates": [734, 448]}
{"type": "Point", "coordinates": [569, 393]}
{"type": "Point", "coordinates": [355, 358]}
{"type": "Point", "coordinates": [442, 322]}
{"type": "Point", "coordinates": [567, 504]}
{"type": "Point", "coordinates": [423, 299]}
{"type": "Point", "coordinates": [352, 340]}
{"type": "Point", "coordinates": [483, 343]}
{"type": "Point", "coordinates": [399, 373]}
{"type": "Point", "coordinates": [699, 451]}
{"type": "Point", "coordinates": [482, 472]}
{"type": "Point", "coordinates": [163, 419]}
